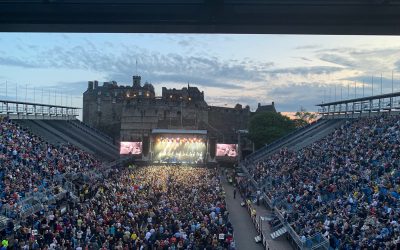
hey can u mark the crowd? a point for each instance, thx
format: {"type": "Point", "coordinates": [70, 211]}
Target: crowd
{"type": "Point", "coordinates": [154, 207]}
{"type": "Point", "coordinates": [345, 186]}
{"type": "Point", "coordinates": [29, 165]}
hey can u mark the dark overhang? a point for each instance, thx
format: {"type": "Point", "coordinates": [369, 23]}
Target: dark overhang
{"type": "Point", "coordinates": [378, 17]}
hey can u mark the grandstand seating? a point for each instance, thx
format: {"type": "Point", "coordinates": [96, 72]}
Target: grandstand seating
{"type": "Point", "coordinates": [49, 133]}
{"type": "Point", "coordinates": [110, 152]}
{"type": "Point", "coordinates": [93, 131]}
{"type": "Point", "coordinates": [343, 187]}
{"type": "Point", "coordinates": [45, 133]}
{"type": "Point", "coordinates": [76, 133]}
{"type": "Point", "coordinates": [298, 139]}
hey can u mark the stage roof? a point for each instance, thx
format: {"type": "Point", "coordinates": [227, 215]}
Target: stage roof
{"type": "Point", "coordinates": [179, 131]}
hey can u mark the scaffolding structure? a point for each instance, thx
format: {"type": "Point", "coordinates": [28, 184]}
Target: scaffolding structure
{"type": "Point", "coordinates": [360, 106]}
{"type": "Point", "coordinates": [29, 110]}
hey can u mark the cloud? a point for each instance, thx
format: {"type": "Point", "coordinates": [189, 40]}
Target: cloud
{"type": "Point", "coordinates": [338, 60]}
{"type": "Point", "coordinates": [155, 66]}
{"type": "Point", "coordinates": [287, 97]}
{"type": "Point", "coordinates": [306, 70]}
{"type": "Point", "coordinates": [365, 82]}
{"type": "Point", "coordinates": [305, 59]}
{"type": "Point", "coordinates": [70, 88]}
{"type": "Point", "coordinates": [291, 96]}
{"type": "Point", "coordinates": [232, 100]}
{"type": "Point", "coordinates": [308, 47]}
{"type": "Point", "coordinates": [185, 42]}
{"type": "Point", "coordinates": [13, 61]}
{"type": "Point", "coordinates": [199, 81]}
{"type": "Point", "coordinates": [397, 65]}
{"type": "Point", "coordinates": [227, 81]}
{"type": "Point", "coordinates": [366, 60]}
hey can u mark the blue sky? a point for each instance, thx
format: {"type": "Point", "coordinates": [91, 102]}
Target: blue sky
{"type": "Point", "coordinates": [291, 70]}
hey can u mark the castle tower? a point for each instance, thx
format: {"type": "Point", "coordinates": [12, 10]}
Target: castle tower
{"type": "Point", "coordinates": [136, 81]}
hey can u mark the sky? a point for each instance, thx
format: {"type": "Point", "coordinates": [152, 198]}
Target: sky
{"type": "Point", "coordinates": [292, 71]}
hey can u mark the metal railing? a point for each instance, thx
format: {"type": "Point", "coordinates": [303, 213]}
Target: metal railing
{"type": "Point", "coordinates": [274, 145]}
{"type": "Point", "coordinates": [378, 103]}
{"type": "Point", "coordinates": [83, 126]}
{"type": "Point", "coordinates": [28, 110]}
{"type": "Point", "coordinates": [313, 242]}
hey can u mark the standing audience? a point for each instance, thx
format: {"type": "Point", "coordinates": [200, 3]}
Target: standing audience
{"type": "Point", "coordinates": [154, 207]}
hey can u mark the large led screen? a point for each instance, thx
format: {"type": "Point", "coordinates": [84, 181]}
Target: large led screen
{"type": "Point", "coordinates": [186, 149]}
{"type": "Point", "coordinates": [226, 150]}
{"type": "Point", "coordinates": [130, 148]}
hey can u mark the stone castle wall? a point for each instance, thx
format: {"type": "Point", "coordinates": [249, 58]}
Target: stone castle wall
{"type": "Point", "coordinates": [131, 112]}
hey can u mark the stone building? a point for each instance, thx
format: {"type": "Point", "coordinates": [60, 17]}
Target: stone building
{"type": "Point", "coordinates": [131, 112]}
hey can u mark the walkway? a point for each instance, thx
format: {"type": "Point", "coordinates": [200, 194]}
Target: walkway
{"type": "Point", "coordinates": [243, 226]}
{"type": "Point", "coordinates": [280, 243]}
{"type": "Point", "coordinates": [244, 230]}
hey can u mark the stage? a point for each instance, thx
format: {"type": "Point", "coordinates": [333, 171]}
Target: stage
{"type": "Point", "coordinates": [180, 147]}
{"type": "Point", "coordinates": [173, 146]}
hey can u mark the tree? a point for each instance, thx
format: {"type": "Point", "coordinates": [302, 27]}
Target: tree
{"type": "Point", "coordinates": [304, 117]}
{"type": "Point", "coordinates": [299, 123]}
{"type": "Point", "coordinates": [267, 127]}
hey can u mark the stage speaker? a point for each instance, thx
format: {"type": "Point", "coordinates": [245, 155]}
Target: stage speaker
{"type": "Point", "coordinates": [212, 147]}
{"type": "Point", "coordinates": [146, 145]}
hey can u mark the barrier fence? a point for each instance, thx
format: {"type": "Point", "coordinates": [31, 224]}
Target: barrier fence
{"type": "Point", "coordinates": [258, 224]}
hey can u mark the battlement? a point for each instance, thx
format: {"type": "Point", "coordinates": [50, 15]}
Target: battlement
{"type": "Point", "coordinates": [187, 94]}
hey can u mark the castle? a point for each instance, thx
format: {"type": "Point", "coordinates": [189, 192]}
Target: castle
{"type": "Point", "coordinates": [129, 113]}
